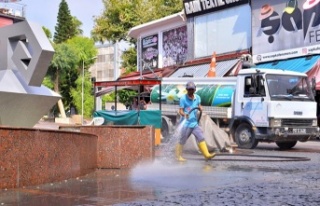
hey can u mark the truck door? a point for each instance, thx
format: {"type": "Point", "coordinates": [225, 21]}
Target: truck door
{"type": "Point", "coordinates": [250, 100]}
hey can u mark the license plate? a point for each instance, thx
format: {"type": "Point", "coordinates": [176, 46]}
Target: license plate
{"type": "Point", "coordinates": [299, 131]}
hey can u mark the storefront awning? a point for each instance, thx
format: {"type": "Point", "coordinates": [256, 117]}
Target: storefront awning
{"type": "Point", "coordinates": [148, 75]}
{"type": "Point", "coordinates": [309, 65]}
{"type": "Point", "coordinates": [110, 86]}
{"type": "Point", "coordinates": [222, 68]}
{"type": "Point", "coordinates": [301, 64]}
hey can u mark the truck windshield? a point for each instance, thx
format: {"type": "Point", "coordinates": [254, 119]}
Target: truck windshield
{"type": "Point", "coordinates": [286, 87]}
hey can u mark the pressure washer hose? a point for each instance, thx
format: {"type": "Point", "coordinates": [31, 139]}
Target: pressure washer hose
{"type": "Point", "coordinates": [260, 158]}
{"type": "Point", "coordinates": [197, 109]}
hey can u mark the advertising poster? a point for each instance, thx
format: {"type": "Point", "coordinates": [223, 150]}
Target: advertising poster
{"type": "Point", "coordinates": [150, 52]}
{"type": "Point", "coordinates": [175, 46]}
{"type": "Point", "coordinates": [219, 95]}
{"type": "Point", "coordinates": [283, 29]}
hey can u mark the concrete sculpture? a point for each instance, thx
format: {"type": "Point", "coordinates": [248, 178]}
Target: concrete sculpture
{"type": "Point", "coordinates": [25, 55]}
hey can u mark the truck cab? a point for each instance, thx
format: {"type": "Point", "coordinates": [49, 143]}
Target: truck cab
{"type": "Point", "coordinates": [273, 106]}
{"type": "Point", "coordinates": [258, 105]}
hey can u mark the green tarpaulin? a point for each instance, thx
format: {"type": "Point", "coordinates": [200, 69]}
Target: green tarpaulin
{"type": "Point", "coordinates": [126, 117]}
{"type": "Point", "coordinates": [131, 117]}
{"type": "Point", "coordinates": [150, 117]}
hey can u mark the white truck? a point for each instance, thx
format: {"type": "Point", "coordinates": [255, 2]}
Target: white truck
{"type": "Point", "coordinates": [255, 106]}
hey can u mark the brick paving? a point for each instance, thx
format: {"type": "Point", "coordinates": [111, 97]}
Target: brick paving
{"type": "Point", "coordinates": [225, 181]}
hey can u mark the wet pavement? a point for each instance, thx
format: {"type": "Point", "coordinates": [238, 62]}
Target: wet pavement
{"type": "Point", "coordinates": [264, 176]}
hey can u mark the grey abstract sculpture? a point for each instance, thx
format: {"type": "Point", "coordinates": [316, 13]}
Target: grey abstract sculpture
{"type": "Point", "coordinates": [25, 54]}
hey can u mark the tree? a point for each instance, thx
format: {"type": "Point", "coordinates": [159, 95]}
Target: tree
{"type": "Point", "coordinates": [129, 60]}
{"type": "Point", "coordinates": [88, 101]}
{"type": "Point", "coordinates": [120, 16]}
{"type": "Point", "coordinates": [63, 71]}
{"type": "Point", "coordinates": [84, 48]}
{"type": "Point", "coordinates": [48, 82]}
{"type": "Point", "coordinates": [87, 52]}
{"type": "Point", "coordinates": [66, 67]}
{"type": "Point", "coordinates": [126, 96]}
{"type": "Point", "coordinates": [77, 26]}
{"type": "Point", "coordinates": [65, 28]}
{"type": "Point", "coordinates": [70, 52]}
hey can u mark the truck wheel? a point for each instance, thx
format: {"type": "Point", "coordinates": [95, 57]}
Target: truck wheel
{"type": "Point", "coordinates": [286, 145]}
{"type": "Point", "coordinates": [244, 137]}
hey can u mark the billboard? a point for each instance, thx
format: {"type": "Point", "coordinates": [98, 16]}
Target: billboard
{"type": "Point", "coordinates": [175, 46]}
{"type": "Point", "coordinates": [150, 52]}
{"type": "Point", "coordinates": [283, 29]}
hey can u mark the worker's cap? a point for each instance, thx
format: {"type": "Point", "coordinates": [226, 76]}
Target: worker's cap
{"type": "Point", "coordinates": [190, 85]}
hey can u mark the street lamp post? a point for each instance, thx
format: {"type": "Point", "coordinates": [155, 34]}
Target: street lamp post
{"type": "Point", "coordinates": [82, 88]}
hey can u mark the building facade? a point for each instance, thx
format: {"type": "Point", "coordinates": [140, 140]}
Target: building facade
{"type": "Point", "coordinates": [11, 13]}
{"type": "Point", "coordinates": [188, 39]}
{"type": "Point", "coordinates": [107, 66]}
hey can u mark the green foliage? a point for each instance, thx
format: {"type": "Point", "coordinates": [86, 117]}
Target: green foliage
{"type": "Point", "coordinates": [65, 57]}
{"type": "Point", "coordinates": [129, 60]}
{"type": "Point", "coordinates": [126, 96]}
{"type": "Point", "coordinates": [48, 82]}
{"type": "Point", "coordinates": [120, 16]}
{"type": "Point", "coordinates": [88, 99]}
{"type": "Point", "coordinates": [65, 28]}
{"type": "Point", "coordinates": [63, 70]}
{"type": "Point", "coordinates": [77, 25]}
{"type": "Point", "coordinates": [86, 53]}
{"type": "Point", "coordinates": [72, 53]}
{"type": "Point", "coordinates": [115, 21]}
{"type": "Point", "coordinates": [47, 32]}
{"type": "Point", "coordinates": [108, 98]}
{"type": "Point", "coordinates": [85, 50]}
{"type": "Point", "coordinates": [66, 66]}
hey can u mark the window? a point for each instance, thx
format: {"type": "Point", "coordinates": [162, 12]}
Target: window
{"type": "Point", "coordinates": [222, 31]}
{"type": "Point", "coordinates": [284, 87]}
{"type": "Point", "coordinates": [254, 86]}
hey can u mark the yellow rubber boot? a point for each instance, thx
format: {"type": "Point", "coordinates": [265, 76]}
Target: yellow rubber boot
{"type": "Point", "coordinates": [179, 153]}
{"type": "Point", "coordinates": [204, 150]}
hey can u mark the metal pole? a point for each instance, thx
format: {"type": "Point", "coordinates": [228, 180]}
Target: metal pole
{"type": "Point", "coordinates": [82, 88]}
{"type": "Point", "coordinates": [94, 94]}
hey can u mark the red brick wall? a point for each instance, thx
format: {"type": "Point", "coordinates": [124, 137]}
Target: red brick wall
{"type": "Point", "coordinates": [30, 156]}
{"type": "Point", "coordinates": [123, 146]}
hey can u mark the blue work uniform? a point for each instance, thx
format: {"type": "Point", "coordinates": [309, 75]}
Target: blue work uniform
{"type": "Point", "coordinates": [191, 124]}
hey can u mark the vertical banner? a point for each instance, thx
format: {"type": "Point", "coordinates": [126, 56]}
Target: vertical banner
{"type": "Point", "coordinates": [150, 52]}
{"type": "Point", "coordinates": [175, 46]}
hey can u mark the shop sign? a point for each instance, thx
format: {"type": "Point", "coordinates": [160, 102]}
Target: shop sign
{"type": "Point", "coordinates": [199, 7]}
{"type": "Point", "coordinates": [284, 29]}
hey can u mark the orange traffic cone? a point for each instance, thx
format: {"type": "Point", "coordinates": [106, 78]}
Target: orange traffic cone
{"type": "Point", "coordinates": [212, 70]}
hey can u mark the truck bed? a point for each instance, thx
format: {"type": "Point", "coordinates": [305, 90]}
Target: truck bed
{"type": "Point", "coordinates": [213, 112]}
